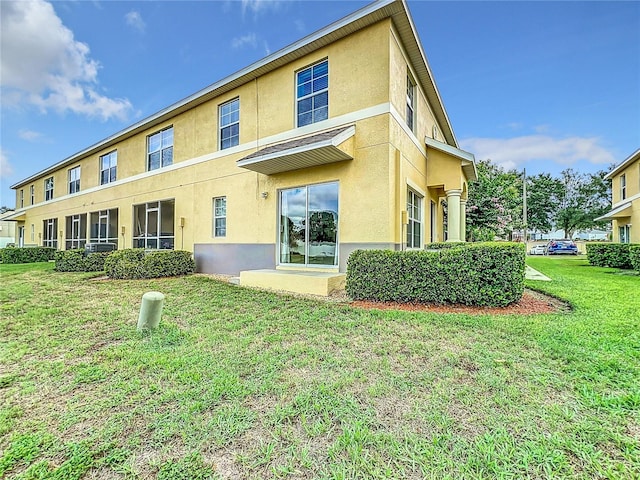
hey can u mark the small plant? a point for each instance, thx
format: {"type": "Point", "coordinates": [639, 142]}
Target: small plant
{"type": "Point", "coordinates": [26, 255]}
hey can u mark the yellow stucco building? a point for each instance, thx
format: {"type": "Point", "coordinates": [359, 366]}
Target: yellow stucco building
{"type": "Point", "coordinates": [337, 142]}
{"type": "Point", "coordinates": [625, 199]}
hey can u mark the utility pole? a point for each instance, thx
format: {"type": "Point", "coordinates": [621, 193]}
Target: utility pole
{"type": "Point", "coordinates": [524, 204]}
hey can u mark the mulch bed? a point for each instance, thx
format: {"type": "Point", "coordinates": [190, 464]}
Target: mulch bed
{"type": "Point", "coordinates": [532, 302]}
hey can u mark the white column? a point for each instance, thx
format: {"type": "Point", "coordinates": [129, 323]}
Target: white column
{"type": "Point", "coordinates": [453, 215]}
{"type": "Point", "coordinates": [463, 219]}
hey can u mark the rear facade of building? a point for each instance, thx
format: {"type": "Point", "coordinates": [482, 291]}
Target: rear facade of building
{"type": "Point", "coordinates": [337, 142]}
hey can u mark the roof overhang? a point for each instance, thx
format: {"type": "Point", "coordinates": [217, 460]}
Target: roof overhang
{"type": "Point", "coordinates": [17, 216]}
{"type": "Point", "coordinates": [620, 211]}
{"type": "Point", "coordinates": [467, 160]}
{"type": "Point", "coordinates": [625, 163]}
{"type": "Point", "coordinates": [379, 10]}
{"type": "Point", "coordinates": [319, 149]}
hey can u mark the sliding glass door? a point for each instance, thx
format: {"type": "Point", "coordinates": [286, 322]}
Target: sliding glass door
{"type": "Point", "coordinates": [309, 225]}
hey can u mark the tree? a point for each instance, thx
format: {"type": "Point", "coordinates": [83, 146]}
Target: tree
{"type": "Point", "coordinates": [494, 204]}
{"type": "Point", "coordinates": [585, 197]}
{"type": "Point", "coordinates": [543, 194]}
{"type": "Point", "coordinates": [569, 203]}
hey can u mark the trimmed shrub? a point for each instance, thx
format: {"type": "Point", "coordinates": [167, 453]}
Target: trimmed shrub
{"type": "Point", "coordinates": [136, 263]}
{"type": "Point", "coordinates": [634, 256]}
{"type": "Point", "coordinates": [27, 254]}
{"type": "Point", "coordinates": [125, 264]}
{"type": "Point", "coordinates": [443, 245]}
{"type": "Point", "coordinates": [483, 274]}
{"type": "Point", "coordinates": [76, 261]}
{"type": "Point", "coordinates": [168, 263]}
{"type": "Point", "coordinates": [615, 255]}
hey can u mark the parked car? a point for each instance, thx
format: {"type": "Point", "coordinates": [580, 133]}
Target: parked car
{"type": "Point", "coordinates": [537, 250]}
{"type": "Point", "coordinates": [561, 247]}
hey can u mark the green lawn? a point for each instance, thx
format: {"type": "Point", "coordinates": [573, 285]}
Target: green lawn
{"type": "Point", "coordinates": [246, 384]}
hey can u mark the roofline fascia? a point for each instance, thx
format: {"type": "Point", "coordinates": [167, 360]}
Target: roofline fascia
{"type": "Point", "coordinates": [447, 122]}
{"type": "Point", "coordinates": [624, 164]}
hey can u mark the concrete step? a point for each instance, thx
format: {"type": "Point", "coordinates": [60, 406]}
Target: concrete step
{"type": "Point", "coordinates": [296, 281]}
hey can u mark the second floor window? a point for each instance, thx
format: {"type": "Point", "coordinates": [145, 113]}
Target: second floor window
{"type": "Point", "coordinates": [22, 198]}
{"type": "Point", "coordinates": [108, 167]}
{"type": "Point", "coordinates": [623, 187]}
{"type": "Point", "coordinates": [160, 149]}
{"type": "Point", "coordinates": [48, 189]}
{"type": "Point", "coordinates": [229, 124]}
{"type": "Point", "coordinates": [411, 93]}
{"type": "Point", "coordinates": [32, 192]}
{"type": "Point", "coordinates": [74, 180]}
{"type": "Point", "coordinates": [312, 94]}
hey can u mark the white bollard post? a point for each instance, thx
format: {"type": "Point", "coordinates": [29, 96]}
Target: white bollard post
{"type": "Point", "coordinates": [150, 311]}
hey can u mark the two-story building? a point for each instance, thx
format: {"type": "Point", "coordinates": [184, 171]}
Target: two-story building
{"type": "Point", "coordinates": [337, 142]}
{"type": "Point", "coordinates": [625, 198]}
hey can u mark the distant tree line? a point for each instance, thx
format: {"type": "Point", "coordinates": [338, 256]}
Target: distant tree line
{"type": "Point", "coordinates": [569, 202]}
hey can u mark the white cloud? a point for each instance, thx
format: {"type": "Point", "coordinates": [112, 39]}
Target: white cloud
{"type": "Point", "coordinates": [43, 65]}
{"type": "Point", "coordinates": [6, 169]}
{"type": "Point", "coordinates": [517, 151]}
{"type": "Point", "coordinates": [259, 6]}
{"type": "Point", "coordinates": [249, 39]}
{"type": "Point", "coordinates": [134, 19]}
{"type": "Point", "coordinates": [29, 135]}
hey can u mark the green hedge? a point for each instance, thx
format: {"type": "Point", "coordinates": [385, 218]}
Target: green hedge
{"type": "Point", "coordinates": [76, 261]}
{"type": "Point", "coordinates": [136, 263]}
{"type": "Point", "coordinates": [483, 274]}
{"type": "Point", "coordinates": [27, 254]}
{"type": "Point", "coordinates": [443, 245]}
{"type": "Point", "coordinates": [634, 256]}
{"type": "Point", "coordinates": [615, 255]}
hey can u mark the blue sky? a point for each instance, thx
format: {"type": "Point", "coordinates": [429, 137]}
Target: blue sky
{"type": "Point", "coordinates": [541, 85]}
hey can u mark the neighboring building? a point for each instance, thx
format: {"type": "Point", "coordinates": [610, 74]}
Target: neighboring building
{"type": "Point", "coordinates": [625, 188]}
{"type": "Point", "coordinates": [8, 233]}
{"type": "Point", "coordinates": [337, 142]}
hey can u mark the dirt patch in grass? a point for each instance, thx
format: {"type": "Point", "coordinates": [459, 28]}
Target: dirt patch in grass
{"type": "Point", "coordinates": [531, 303]}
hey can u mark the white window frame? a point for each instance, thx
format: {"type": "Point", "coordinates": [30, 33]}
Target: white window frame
{"type": "Point", "coordinates": [32, 193]}
{"type": "Point", "coordinates": [624, 232]}
{"type": "Point", "coordinates": [22, 198]}
{"type": "Point", "coordinates": [74, 180]}
{"type": "Point", "coordinates": [164, 133]}
{"type": "Point", "coordinates": [48, 189]}
{"type": "Point", "coordinates": [411, 103]}
{"type": "Point", "coordinates": [33, 232]}
{"type": "Point", "coordinates": [227, 121]}
{"type": "Point", "coordinates": [220, 213]}
{"type": "Point", "coordinates": [76, 237]}
{"type": "Point", "coordinates": [623, 186]}
{"type": "Point", "coordinates": [413, 219]}
{"type": "Point", "coordinates": [50, 233]}
{"type": "Point", "coordinates": [103, 217]}
{"type": "Point", "coordinates": [313, 93]}
{"type": "Point", "coordinates": [111, 169]}
{"type": "Point", "coordinates": [306, 188]}
{"type": "Point", "coordinates": [151, 207]}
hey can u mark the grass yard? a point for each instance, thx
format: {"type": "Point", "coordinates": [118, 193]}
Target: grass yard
{"type": "Point", "coordinates": [246, 384]}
